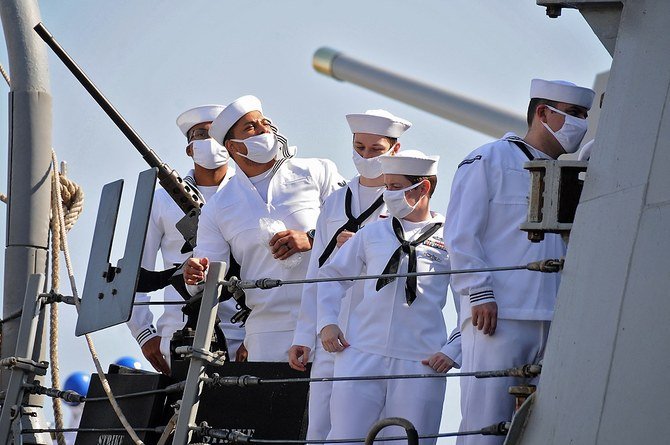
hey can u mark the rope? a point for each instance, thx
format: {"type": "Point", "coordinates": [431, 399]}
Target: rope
{"type": "Point", "coordinates": [89, 340]}
{"type": "Point", "coordinates": [53, 310]}
{"type": "Point", "coordinates": [5, 75]}
{"type": "Point", "coordinates": [72, 197]}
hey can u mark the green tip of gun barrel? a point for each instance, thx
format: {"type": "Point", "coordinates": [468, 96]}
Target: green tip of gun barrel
{"type": "Point", "coordinates": [323, 60]}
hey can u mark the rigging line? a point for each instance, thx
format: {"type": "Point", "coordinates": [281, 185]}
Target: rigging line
{"type": "Point", "coordinates": [545, 266]}
{"type": "Point", "coordinates": [498, 429]}
{"type": "Point", "coordinates": [12, 316]}
{"type": "Point", "coordinates": [165, 303]}
{"type": "Point", "coordinates": [525, 371]}
{"type": "Point", "coordinates": [158, 429]}
{"type": "Point", "coordinates": [174, 388]}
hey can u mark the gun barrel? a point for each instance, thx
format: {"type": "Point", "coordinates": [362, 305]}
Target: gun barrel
{"type": "Point", "coordinates": [134, 138]}
{"type": "Point", "coordinates": [463, 110]}
{"type": "Point", "coordinates": [169, 179]}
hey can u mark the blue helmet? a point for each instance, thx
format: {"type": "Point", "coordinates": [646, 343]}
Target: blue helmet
{"type": "Point", "coordinates": [129, 362]}
{"type": "Point", "coordinates": [78, 382]}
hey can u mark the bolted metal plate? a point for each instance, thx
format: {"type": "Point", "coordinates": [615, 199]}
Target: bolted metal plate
{"type": "Point", "coordinates": [109, 291]}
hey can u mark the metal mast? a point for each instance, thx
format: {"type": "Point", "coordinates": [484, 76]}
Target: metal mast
{"type": "Point", "coordinates": [29, 186]}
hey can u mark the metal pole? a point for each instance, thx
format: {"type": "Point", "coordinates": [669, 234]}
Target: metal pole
{"type": "Point", "coordinates": [28, 174]}
{"type": "Point", "coordinates": [201, 343]}
{"type": "Point", "coordinates": [462, 110]}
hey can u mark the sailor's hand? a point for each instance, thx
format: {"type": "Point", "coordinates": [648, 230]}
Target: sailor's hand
{"type": "Point", "coordinates": [343, 237]}
{"type": "Point", "coordinates": [333, 339]}
{"type": "Point", "coordinates": [194, 271]}
{"type": "Point", "coordinates": [298, 356]}
{"type": "Point", "coordinates": [152, 352]}
{"type": "Point", "coordinates": [485, 317]}
{"type": "Point", "coordinates": [288, 242]}
{"type": "Point", "coordinates": [439, 362]}
{"type": "Point", "coordinates": [241, 354]}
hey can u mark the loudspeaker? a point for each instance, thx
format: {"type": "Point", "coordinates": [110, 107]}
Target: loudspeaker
{"type": "Point", "coordinates": [266, 411]}
{"type": "Point", "coordinates": [142, 412]}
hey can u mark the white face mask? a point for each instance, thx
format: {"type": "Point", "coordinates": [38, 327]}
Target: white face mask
{"type": "Point", "coordinates": [261, 148]}
{"type": "Point", "coordinates": [396, 203]}
{"type": "Point", "coordinates": [209, 154]}
{"type": "Point", "coordinates": [370, 168]}
{"type": "Point", "coordinates": [571, 133]}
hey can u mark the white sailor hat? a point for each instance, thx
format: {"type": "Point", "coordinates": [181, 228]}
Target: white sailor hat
{"type": "Point", "coordinates": [411, 163]}
{"type": "Point", "coordinates": [379, 122]}
{"type": "Point", "coordinates": [562, 91]}
{"type": "Point", "coordinates": [231, 114]}
{"type": "Point", "coordinates": [204, 113]}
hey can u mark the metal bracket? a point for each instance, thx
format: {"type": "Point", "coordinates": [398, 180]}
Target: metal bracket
{"type": "Point", "coordinates": [214, 358]}
{"type": "Point", "coordinates": [26, 364]}
{"type": "Point", "coordinates": [555, 189]}
{"type": "Point", "coordinates": [603, 16]}
{"type": "Point", "coordinates": [109, 291]}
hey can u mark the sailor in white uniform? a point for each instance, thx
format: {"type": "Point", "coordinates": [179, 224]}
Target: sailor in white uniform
{"type": "Point", "coordinates": [505, 316]}
{"type": "Point", "coordinates": [210, 172]}
{"type": "Point", "coordinates": [262, 218]}
{"type": "Point", "coordinates": [398, 326]}
{"type": "Point", "coordinates": [375, 134]}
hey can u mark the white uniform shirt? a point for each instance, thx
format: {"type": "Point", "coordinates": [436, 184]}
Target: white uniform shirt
{"type": "Point", "coordinates": [383, 323]}
{"type": "Point", "coordinates": [333, 217]}
{"type": "Point", "coordinates": [489, 201]}
{"type": "Point", "coordinates": [162, 235]}
{"type": "Point", "coordinates": [230, 223]}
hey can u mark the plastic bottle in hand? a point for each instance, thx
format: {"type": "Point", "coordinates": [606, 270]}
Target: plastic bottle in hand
{"type": "Point", "coordinates": [269, 227]}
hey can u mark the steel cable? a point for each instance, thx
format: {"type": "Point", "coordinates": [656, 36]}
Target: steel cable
{"type": "Point", "coordinates": [545, 266]}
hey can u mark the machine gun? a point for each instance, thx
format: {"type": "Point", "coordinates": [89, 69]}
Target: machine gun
{"type": "Point", "coordinates": [180, 191]}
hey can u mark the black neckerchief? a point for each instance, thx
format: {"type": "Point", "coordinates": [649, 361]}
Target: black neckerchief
{"type": "Point", "coordinates": [523, 148]}
{"type": "Point", "coordinates": [352, 224]}
{"type": "Point", "coordinates": [408, 247]}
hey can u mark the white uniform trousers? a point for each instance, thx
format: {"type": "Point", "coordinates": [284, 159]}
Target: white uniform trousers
{"type": "Point", "coordinates": [487, 401]}
{"type": "Point", "coordinates": [356, 405]}
{"type": "Point", "coordinates": [268, 346]}
{"type": "Point", "coordinates": [319, 394]}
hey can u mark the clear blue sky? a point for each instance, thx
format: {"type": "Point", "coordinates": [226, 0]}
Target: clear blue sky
{"type": "Point", "coordinates": [154, 59]}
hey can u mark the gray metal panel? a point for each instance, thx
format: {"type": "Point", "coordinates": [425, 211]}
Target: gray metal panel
{"type": "Point", "coordinates": [638, 390]}
{"type": "Point", "coordinates": [108, 295]}
{"type": "Point", "coordinates": [579, 350]}
{"type": "Point", "coordinates": [605, 369]}
{"type": "Point", "coordinates": [98, 260]}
